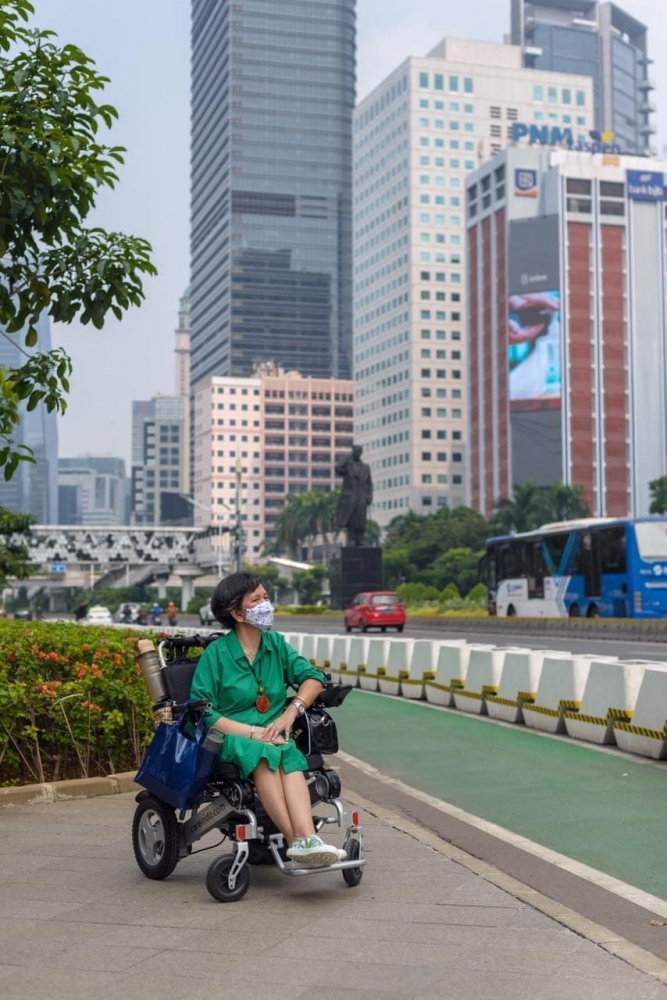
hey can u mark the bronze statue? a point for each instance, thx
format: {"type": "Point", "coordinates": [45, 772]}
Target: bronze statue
{"type": "Point", "coordinates": [356, 495]}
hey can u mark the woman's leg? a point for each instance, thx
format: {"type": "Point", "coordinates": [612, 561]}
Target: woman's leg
{"type": "Point", "coordinates": [297, 799]}
{"type": "Point", "coordinates": [272, 796]}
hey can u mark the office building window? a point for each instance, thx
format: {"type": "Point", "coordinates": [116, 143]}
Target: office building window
{"type": "Point", "coordinates": [468, 85]}
{"type": "Point", "coordinates": [423, 80]}
{"type": "Point", "coordinates": [438, 81]}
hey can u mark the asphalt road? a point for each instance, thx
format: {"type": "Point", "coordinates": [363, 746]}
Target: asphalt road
{"type": "Point", "coordinates": [631, 649]}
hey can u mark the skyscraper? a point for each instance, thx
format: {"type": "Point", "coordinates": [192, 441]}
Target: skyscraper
{"type": "Point", "coordinates": [416, 137]}
{"type": "Point", "coordinates": [599, 40]}
{"type": "Point", "coordinates": [33, 489]}
{"type": "Point", "coordinates": [273, 87]}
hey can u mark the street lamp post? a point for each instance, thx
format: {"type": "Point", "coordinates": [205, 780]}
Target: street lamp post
{"type": "Point", "coordinates": [211, 510]}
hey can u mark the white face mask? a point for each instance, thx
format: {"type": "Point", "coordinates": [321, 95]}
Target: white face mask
{"type": "Point", "coordinates": [261, 616]}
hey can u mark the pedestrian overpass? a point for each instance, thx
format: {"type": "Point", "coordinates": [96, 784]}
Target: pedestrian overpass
{"type": "Point", "coordinates": [67, 557]}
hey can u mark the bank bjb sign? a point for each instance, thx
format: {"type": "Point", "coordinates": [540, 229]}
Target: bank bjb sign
{"type": "Point", "coordinates": [553, 135]}
{"type": "Point", "coordinates": [646, 185]}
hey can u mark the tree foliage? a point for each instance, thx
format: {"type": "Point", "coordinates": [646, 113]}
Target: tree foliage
{"type": "Point", "coordinates": [14, 554]}
{"type": "Point", "coordinates": [531, 506]}
{"type": "Point", "coordinates": [658, 490]}
{"type": "Point", "coordinates": [52, 167]}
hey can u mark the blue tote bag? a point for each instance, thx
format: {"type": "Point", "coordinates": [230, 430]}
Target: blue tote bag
{"type": "Point", "coordinates": [177, 765]}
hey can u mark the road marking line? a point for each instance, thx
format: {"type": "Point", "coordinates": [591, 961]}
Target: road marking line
{"type": "Point", "coordinates": [628, 892]}
{"type": "Point", "coordinates": [639, 958]}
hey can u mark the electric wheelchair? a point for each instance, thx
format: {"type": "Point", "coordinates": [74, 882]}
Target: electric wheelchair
{"type": "Point", "coordinates": [163, 836]}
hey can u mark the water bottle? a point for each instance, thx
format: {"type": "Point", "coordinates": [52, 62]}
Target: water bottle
{"type": "Point", "coordinates": [214, 740]}
{"type": "Point", "coordinates": [149, 664]}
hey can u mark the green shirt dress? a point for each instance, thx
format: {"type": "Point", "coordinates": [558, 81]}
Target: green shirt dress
{"type": "Point", "coordinates": [226, 679]}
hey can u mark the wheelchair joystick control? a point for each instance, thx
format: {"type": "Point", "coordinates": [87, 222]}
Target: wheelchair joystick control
{"type": "Point", "coordinates": [149, 664]}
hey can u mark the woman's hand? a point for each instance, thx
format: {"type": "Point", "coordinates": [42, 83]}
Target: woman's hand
{"type": "Point", "coordinates": [279, 730]}
{"type": "Point", "coordinates": [269, 735]}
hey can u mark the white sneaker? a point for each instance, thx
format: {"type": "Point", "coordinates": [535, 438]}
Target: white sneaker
{"type": "Point", "coordinates": [312, 852]}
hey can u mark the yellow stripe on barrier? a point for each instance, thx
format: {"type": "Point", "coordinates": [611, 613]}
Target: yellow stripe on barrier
{"type": "Point", "coordinates": [502, 701]}
{"type": "Point", "coordinates": [652, 734]}
{"type": "Point", "coordinates": [594, 720]}
{"type": "Point", "coordinates": [529, 696]}
{"type": "Point", "coordinates": [471, 694]}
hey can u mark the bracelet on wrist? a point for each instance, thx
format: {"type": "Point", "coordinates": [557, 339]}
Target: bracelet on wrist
{"type": "Point", "coordinates": [252, 732]}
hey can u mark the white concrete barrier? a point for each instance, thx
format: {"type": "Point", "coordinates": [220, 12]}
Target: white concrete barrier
{"type": "Point", "coordinates": [561, 688]}
{"type": "Point", "coordinates": [323, 652]}
{"type": "Point", "coordinates": [610, 695]}
{"type": "Point", "coordinates": [308, 646]}
{"type": "Point", "coordinates": [294, 639]}
{"type": "Point", "coordinates": [378, 655]}
{"type": "Point", "coordinates": [518, 684]}
{"type": "Point", "coordinates": [451, 668]}
{"type": "Point", "coordinates": [398, 663]}
{"type": "Point", "coordinates": [484, 672]}
{"type": "Point", "coordinates": [647, 733]}
{"type": "Point", "coordinates": [356, 657]}
{"type": "Point", "coordinates": [421, 668]}
{"type": "Point", "coordinates": [340, 651]}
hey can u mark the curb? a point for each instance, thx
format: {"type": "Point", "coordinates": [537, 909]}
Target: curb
{"type": "Point", "coordinates": [75, 788]}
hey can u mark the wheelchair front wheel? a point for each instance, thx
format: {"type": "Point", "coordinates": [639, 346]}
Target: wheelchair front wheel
{"type": "Point", "coordinates": [352, 876]}
{"type": "Point", "coordinates": [217, 880]}
{"type": "Point", "coordinates": [155, 838]}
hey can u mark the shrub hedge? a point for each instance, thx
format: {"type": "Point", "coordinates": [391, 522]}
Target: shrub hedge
{"type": "Point", "coordinates": [73, 703]}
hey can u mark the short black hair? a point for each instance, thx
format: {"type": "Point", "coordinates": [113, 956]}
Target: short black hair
{"type": "Point", "coordinates": [229, 595]}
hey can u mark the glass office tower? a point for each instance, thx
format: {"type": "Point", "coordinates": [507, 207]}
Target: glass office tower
{"type": "Point", "coordinates": [599, 40]}
{"type": "Point", "coordinates": [33, 489]}
{"type": "Point", "coordinates": [273, 90]}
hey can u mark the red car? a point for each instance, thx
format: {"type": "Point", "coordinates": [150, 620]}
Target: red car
{"type": "Point", "coordinates": [381, 609]}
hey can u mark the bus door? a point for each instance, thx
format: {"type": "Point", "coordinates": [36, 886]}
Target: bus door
{"type": "Point", "coordinates": [535, 570]}
{"type": "Point", "coordinates": [590, 564]}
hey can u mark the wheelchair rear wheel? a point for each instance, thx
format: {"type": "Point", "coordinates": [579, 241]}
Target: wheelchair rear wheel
{"type": "Point", "coordinates": [155, 838]}
{"type": "Point", "coordinates": [217, 880]}
{"type": "Point", "coordinates": [352, 876]}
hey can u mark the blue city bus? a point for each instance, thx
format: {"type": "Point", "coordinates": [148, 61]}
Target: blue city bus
{"type": "Point", "coordinates": [598, 567]}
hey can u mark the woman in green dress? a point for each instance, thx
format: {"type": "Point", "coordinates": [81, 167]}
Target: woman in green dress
{"type": "Point", "coordinates": [244, 675]}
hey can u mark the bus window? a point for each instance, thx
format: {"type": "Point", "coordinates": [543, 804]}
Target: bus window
{"type": "Point", "coordinates": [555, 549]}
{"type": "Point", "coordinates": [613, 556]}
{"type": "Point", "coordinates": [510, 565]}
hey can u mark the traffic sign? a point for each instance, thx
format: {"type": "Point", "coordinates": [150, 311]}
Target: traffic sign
{"type": "Point", "coordinates": [58, 568]}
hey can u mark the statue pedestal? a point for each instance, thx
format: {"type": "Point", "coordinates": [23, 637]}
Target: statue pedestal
{"type": "Point", "coordinates": [352, 570]}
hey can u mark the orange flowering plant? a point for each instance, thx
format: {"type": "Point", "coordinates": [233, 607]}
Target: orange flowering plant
{"type": "Point", "coordinates": [73, 702]}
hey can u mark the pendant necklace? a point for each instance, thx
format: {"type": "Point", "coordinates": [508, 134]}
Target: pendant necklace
{"type": "Point", "coordinates": [262, 703]}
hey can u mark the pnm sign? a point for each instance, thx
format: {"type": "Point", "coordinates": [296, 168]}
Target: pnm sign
{"type": "Point", "coordinates": [553, 135]}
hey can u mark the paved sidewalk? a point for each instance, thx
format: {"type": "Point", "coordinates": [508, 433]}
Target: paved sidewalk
{"type": "Point", "coordinates": [79, 922]}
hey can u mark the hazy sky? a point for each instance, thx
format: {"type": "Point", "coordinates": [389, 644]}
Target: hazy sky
{"type": "Point", "coordinates": [143, 45]}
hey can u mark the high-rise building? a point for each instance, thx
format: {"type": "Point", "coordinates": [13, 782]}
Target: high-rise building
{"type": "Point", "coordinates": [273, 89]}
{"type": "Point", "coordinates": [417, 136]}
{"type": "Point", "coordinates": [33, 489]}
{"type": "Point", "coordinates": [183, 378]}
{"type": "Point", "coordinates": [600, 40]}
{"type": "Point", "coordinates": [93, 490]}
{"type": "Point", "coordinates": [261, 438]}
{"type": "Point", "coordinates": [568, 326]}
{"type": "Point", "coordinates": [158, 481]}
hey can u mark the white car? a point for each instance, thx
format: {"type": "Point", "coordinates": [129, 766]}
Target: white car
{"type": "Point", "coordinates": [99, 615]}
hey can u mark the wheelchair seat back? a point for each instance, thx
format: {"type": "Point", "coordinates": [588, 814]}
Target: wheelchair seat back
{"type": "Point", "coordinates": [179, 669]}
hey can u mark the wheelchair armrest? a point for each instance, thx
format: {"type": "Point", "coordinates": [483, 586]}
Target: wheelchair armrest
{"type": "Point", "coordinates": [192, 708]}
{"type": "Point", "coordinates": [333, 696]}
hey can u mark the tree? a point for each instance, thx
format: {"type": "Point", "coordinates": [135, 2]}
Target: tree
{"type": "Point", "coordinates": [14, 553]}
{"type": "Point", "coordinates": [531, 506]}
{"type": "Point", "coordinates": [523, 511]}
{"type": "Point", "coordinates": [457, 566]}
{"type": "Point", "coordinates": [52, 166]}
{"type": "Point", "coordinates": [566, 503]}
{"type": "Point", "coordinates": [308, 584]}
{"type": "Point", "coordinates": [658, 490]}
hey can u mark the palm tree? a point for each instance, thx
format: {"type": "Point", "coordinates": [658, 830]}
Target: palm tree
{"type": "Point", "coordinates": [566, 503]}
{"type": "Point", "coordinates": [289, 526]}
{"type": "Point", "coordinates": [524, 511]}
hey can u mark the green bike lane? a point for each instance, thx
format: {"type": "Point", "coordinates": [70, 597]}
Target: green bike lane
{"type": "Point", "coordinates": [600, 809]}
